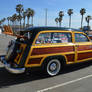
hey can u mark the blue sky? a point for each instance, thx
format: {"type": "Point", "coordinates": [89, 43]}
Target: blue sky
{"type": "Point", "coordinates": [7, 8]}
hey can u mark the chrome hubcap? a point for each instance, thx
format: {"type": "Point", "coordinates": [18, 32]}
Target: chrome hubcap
{"type": "Point", "coordinates": [53, 67]}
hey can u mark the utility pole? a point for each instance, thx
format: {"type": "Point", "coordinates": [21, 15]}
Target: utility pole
{"type": "Point", "coordinates": [46, 17]}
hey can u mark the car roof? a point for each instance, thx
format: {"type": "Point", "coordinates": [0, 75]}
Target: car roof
{"type": "Point", "coordinates": [38, 29]}
{"type": "Point", "coordinates": [52, 28]}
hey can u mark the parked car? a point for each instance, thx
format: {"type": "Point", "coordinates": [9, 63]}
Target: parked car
{"type": "Point", "coordinates": [48, 48]}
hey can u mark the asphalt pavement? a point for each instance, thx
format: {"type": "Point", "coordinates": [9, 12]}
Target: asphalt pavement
{"type": "Point", "coordinates": [74, 78]}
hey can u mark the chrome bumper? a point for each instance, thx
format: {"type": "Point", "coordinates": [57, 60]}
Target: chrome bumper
{"type": "Point", "coordinates": [9, 68]}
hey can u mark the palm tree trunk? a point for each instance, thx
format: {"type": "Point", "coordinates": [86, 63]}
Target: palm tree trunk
{"type": "Point", "coordinates": [20, 24]}
{"type": "Point", "coordinates": [81, 21]}
{"type": "Point", "coordinates": [32, 21]}
{"type": "Point", "coordinates": [59, 24]}
{"type": "Point", "coordinates": [8, 22]}
{"type": "Point", "coordinates": [70, 22]}
{"type": "Point", "coordinates": [56, 24]}
{"type": "Point", "coordinates": [88, 24]}
{"type": "Point", "coordinates": [20, 20]}
{"type": "Point", "coordinates": [28, 21]}
{"type": "Point", "coordinates": [88, 27]}
{"type": "Point", "coordinates": [24, 23]}
{"type": "Point", "coordinates": [14, 25]}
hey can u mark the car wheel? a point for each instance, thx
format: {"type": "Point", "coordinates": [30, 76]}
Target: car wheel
{"type": "Point", "coordinates": [53, 67]}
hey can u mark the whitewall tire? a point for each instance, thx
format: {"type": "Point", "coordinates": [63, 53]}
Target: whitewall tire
{"type": "Point", "coordinates": [53, 67]}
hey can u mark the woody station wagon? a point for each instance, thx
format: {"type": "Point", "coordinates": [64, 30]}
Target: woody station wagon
{"type": "Point", "coordinates": [49, 48]}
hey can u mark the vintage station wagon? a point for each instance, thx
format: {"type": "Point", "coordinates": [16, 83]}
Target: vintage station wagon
{"type": "Point", "coordinates": [48, 48]}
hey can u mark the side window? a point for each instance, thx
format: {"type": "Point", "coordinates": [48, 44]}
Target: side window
{"type": "Point", "coordinates": [54, 37]}
{"type": "Point", "coordinates": [61, 37]}
{"type": "Point", "coordinates": [43, 38]}
{"type": "Point", "coordinates": [80, 38]}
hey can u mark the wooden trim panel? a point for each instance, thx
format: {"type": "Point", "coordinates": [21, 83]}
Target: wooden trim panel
{"type": "Point", "coordinates": [85, 55]}
{"type": "Point", "coordinates": [52, 50]}
{"type": "Point", "coordinates": [70, 57]}
{"type": "Point", "coordinates": [84, 47]}
{"type": "Point", "coordinates": [35, 61]}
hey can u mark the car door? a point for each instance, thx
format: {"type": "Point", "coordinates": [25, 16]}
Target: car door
{"type": "Point", "coordinates": [83, 47]}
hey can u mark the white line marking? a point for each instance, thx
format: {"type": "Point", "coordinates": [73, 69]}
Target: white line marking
{"type": "Point", "coordinates": [63, 84]}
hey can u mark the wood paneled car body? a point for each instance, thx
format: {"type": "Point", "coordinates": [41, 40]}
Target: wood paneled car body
{"type": "Point", "coordinates": [47, 47]}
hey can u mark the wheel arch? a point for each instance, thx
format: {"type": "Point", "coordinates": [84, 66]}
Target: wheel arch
{"type": "Point", "coordinates": [61, 58]}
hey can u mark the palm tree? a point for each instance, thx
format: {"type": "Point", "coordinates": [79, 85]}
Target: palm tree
{"type": "Point", "coordinates": [10, 20]}
{"type": "Point", "coordinates": [19, 17]}
{"type": "Point", "coordinates": [56, 20]}
{"type": "Point", "coordinates": [14, 17]}
{"type": "Point", "coordinates": [3, 20]}
{"type": "Point", "coordinates": [88, 18]}
{"type": "Point", "coordinates": [30, 13]}
{"type": "Point", "coordinates": [82, 12]}
{"type": "Point", "coordinates": [60, 19]}
{"type": "Point", "coordinates": [24, 16]}
{"type": "Point", "coordinates": [61, 14]}
{"type": "Point", "coordinates": [19, 10]}
{"type": "Point", "coordinates": [70, 12]}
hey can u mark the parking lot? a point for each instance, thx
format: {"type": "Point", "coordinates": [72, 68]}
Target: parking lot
{"type": "Point", "coordinates": [74, 78]}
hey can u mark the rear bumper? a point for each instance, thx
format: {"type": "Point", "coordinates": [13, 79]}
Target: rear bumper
{"type": "Point", "coordinates": [9, 68]}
